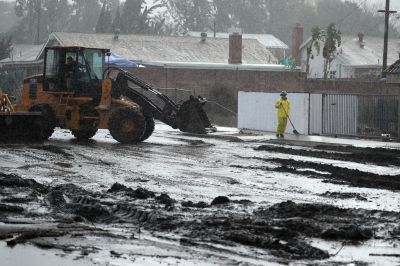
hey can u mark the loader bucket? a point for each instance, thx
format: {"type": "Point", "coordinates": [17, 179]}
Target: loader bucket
{"type": "Point", "coordinates": [192, 118]}
{"type": "Point", "coordinates": [21, 127]}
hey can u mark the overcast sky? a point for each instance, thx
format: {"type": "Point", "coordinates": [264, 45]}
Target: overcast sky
{"type": "Point", "coordinates": [395, 4]}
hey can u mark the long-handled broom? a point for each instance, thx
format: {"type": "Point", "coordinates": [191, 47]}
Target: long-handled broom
{"type": "Point", "coordinates": [294, 129]}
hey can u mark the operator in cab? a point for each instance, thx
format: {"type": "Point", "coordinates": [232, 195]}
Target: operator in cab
{"type": "Point", "coordinates": [70, 71]}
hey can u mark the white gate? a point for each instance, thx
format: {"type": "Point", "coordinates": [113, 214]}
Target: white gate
{"type": "Point", "coordinates": [256, 111]}
{"type": "Point", "coordinates": [340, 114]}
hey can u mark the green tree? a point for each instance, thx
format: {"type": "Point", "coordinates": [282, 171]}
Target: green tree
{"type": "Point", "coordinates": [8, 18]}
{"type": "Point", "coordinates": [250, 15]}
{"type": "Point", "coordinates": [104, 22]}
{"type": "Point", "coordinates": [275, 17]}
{"type": "Point", "coordinates": [5, 46]}
{"type": "Point", "coordinates": [116, 24]}
{"type": "Point", "coordinates": [332, 41]}
{"type": "Point", "coordinates": [316, 37]}
{"type": "Point", "coordinates": [85, 15]}
{"type": "Point", "coordinates": [57, 15]}
{"type": "Point", "coordinates": [38, 18]}
{"type": "Point", "coordinates": [136, 17]}
{"type": "Point", "coordinates": [30, 12]}
{"type": "Point", "coordinates": [195, 15]}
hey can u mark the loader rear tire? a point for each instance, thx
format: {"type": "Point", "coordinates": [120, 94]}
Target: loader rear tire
{"type": "Point", "coordinates": [149, 128]}
{"type": "Point", "coordinates": [127, 125]}
{"type": "Point", "coordinates": [49, 119]}
{"type": "Point", "coordinates": [83, 134]}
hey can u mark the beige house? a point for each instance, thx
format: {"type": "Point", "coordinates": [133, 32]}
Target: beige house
{"type": "Point", "coordinates": [357, 57]}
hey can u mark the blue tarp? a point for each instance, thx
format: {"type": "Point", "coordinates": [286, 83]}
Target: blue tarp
{"type": "Point", "coordinates": [115, 59]}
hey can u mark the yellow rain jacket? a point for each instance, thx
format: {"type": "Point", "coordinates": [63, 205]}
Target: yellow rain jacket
{"type": "Point", "coordinates": [283, 107]}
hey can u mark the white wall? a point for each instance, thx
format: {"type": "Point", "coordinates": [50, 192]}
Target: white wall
{"type": "Point", "coordinates": [315, 114]}
{"type": "Point", "coordinates": [256, 111]}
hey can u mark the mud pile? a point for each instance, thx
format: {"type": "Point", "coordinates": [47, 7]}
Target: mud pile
{"type": "Point", "coordinates": [283, 229]}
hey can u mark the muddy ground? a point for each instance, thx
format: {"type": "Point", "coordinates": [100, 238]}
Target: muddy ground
{"type": "Point", "coordinates": [189, 200]}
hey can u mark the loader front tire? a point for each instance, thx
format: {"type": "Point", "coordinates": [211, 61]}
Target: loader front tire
{"type": "Point", "coordinates": [127, 125]}
{"type": "Point", "coordinates": [149, 128]}
{"type": "Point", "coordinates": [83, 134]}
{"type": "Point", "coordinates": [49, 119]}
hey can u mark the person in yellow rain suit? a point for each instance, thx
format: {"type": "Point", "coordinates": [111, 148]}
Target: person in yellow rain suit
{"type": "Point", "coordinates": [283, 106]}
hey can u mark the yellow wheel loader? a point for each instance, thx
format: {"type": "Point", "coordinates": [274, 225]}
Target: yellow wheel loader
{"type": "Point", "coordinates": [78, 93]}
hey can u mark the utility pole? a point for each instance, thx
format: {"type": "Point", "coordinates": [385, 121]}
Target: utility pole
{"type": "Point", "coordinates": [387, 12]}
{"type": "Point", "coordinates": [38, 11]}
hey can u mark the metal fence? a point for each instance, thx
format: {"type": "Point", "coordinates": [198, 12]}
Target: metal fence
{"type": "Point", "coordinates": [339, 114]}
{"type": "Point", "coordinates": [378, 115]}
{"type": "Point", "coordinates": [356, 115]}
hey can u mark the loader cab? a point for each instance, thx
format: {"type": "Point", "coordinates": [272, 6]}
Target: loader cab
{"type": "Point", "coordinates": [74, 69]}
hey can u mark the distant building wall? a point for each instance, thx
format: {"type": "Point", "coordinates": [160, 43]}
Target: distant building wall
{"type": "Point", "coordinates": [368, 72]}
{"type": "Point", "coordinates": [204, 81]}
{"type": "Point", "coordinates": [393, 78]}
{"type": "Point", "coordinates": [221, 87]}
{"type": "Point", "coordinates": [352, 87]}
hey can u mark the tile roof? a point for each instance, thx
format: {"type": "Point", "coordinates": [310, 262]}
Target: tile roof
{"type": "Point", "coordinates": [394, 68]}
{"type": "Point", "coordinates": [150, 48]}
{"type": "Point", "coordinates": [267, 40]}
{"type": "Point", "coordinates": [23, 53]}
{"type": "Point", "coordinates": [351, 53]}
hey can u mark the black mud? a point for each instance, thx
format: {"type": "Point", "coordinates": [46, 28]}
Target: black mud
{"type": "Point", "coordinates": [378, 156]}
{"type": "Point", "coordinates": [53, 149]}
{"type": "Point", "coordinates": [344, 195]}
{"type": "Point", "coordinates": [283, 230]}
{"type": "Point", "coordinates": [331, 173]}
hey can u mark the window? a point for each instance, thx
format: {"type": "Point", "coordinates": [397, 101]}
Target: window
{"type": "Point", "coordinates": [95, 59]}
{"type": "Point", "coordinates": [52, 65]}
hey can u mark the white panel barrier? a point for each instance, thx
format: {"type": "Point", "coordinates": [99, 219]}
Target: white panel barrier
{"type": "Point", "coordinates": [256, 111]}
{"type": "Point", "coordinates": [315, 114]}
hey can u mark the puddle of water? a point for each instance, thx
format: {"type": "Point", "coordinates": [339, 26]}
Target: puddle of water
{"type": "Point", "coordinates": [365, 252]}
{"type": "Point", "coordinates": [32, 256]}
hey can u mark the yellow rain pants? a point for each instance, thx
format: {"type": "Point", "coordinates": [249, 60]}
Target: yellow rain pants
{"type": "Point", "coordinates": [283, 107]}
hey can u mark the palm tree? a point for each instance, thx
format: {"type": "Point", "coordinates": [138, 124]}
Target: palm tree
{"type": "Point", "coordinates": [331, 40]}
{"type": "Point", "coordinates": [316, 37]}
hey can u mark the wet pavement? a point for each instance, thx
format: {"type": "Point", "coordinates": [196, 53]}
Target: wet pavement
{"type": "Point", "coordinates": [228, 198]}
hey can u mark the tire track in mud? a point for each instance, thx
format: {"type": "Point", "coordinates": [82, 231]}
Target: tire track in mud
{"type": "Point", "coordinates": [329, 172]}
{"type": "Point", "coordinates": [334, 174]}
{"type": "Point", "coordinates": [283, 229]}
{"type": "Point", "coordinates": [352, 177]}
{"type": "Point", "coordinates": [378, 156]}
